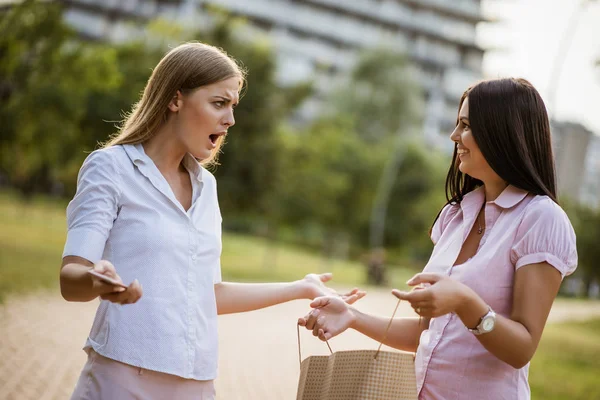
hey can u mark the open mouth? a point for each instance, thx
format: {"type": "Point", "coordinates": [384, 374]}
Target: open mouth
{"type": "Point", "coordinates": [213, 138]}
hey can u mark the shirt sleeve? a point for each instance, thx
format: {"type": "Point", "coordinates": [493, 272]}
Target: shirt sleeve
{"type": "Point", "coordinates": [545, 235]}
{"type": "Point", "coordinates": [441, 223]}
{"type": "Point", "coordinates": [91, 213]}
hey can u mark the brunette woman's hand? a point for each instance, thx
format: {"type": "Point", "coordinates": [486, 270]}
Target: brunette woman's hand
{"type": "Point", "coordinates": [434, 295]}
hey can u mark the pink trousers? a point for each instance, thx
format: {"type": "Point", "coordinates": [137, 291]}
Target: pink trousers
{"type": "Point", "coordinates": [106, 379]}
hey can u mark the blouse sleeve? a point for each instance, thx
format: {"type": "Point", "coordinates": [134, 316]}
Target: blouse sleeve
{"type": "Point", "coordinates": [442, 222]}
{"type": "Point", "coordinates": [545, 235]}
{"type": "Point", "coordinates": [91, 213]}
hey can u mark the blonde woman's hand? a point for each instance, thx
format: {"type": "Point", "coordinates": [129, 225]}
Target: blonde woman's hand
{"type": "Point", "coordinates": [112, 293]}
{"type": "Point", "coordinates": [330, 317]}
{"type": "Point", "coordinates": [315, 287]}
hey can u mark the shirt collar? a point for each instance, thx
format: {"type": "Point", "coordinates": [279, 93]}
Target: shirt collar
{"type": "Point", "coordinates": [510, 197]}
{"type": "Point", "coordinates": [138, 156]}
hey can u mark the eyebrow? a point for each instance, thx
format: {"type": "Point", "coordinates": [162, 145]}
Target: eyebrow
{"type": "Point", "coordinates": [226, 99]}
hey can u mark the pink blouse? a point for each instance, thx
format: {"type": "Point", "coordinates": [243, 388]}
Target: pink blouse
{"type": "Point", "coordinates": [521, 229]}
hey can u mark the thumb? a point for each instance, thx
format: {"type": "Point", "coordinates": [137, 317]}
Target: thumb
{"type": "Point", "coordinates": [326, 277]}
{"type": "Point", "coordinates": [424, 278]}
{"type": "Point", "coordinates": [319, 302]}
{"type": "Point", "coordinates": [401, 295]}
{"type": "Point", "coordinates": [100, 267]}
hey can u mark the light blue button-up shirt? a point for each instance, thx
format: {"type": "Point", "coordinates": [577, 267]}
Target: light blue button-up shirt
{"type": "Point", "coordinates": [125, 212]}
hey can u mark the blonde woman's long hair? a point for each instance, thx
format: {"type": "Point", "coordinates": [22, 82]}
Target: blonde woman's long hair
{"type": "Point", "coordinates": [186, 67]}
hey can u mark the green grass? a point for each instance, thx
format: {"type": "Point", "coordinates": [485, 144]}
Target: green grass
{"type": "Point", "coordinates": [567, 363]}
{"type": "Point", "coordinates": [32, 237]}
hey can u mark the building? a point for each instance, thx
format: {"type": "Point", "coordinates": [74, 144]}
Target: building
{"type": "Point", "coordinates": [577, 155]}
{"type": "Point", "coordinates": [590, 189]}
{"type": "Point", "coordinates": [321, 39]}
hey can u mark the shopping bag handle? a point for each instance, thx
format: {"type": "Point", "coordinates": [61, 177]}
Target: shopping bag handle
{"type": "Point", "coordinates": [300, 352]}
{"type": "Point", "coordinates": [388, 329]}
{"type": "Point", "coordinates": [380, 343]}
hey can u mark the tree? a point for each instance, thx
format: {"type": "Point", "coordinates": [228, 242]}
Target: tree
{"type": "Point", "coordinates": [586, 222]}
{"type": "Point", "coordinates": [381, 94]}
{"type": "Point", "coordinates": [46, 76]}
{"type": "Point", "coordinates": [248, 164]}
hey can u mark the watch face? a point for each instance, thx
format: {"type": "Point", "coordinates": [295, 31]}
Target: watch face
{"type": "Point", "coordinates": [488, 324]}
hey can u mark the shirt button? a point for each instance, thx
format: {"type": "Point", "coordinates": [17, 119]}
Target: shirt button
{"type": "Point", "coordinates": [193, 257]}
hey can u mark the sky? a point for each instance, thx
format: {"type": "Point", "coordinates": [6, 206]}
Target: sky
{"type": "Point", "coordinates": [524, 41]}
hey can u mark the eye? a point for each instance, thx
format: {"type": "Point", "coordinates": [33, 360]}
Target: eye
{"type": "Point", "coordinates": [219, 104]}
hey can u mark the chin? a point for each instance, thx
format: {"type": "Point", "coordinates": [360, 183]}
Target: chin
{"type": "Point", "coordinates": [201, 155]}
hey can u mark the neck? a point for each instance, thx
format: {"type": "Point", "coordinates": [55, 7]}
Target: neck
{"type": "Point", "coordinates": [494, 189]}
{"type": "Point", "coordinates": [166, 153]}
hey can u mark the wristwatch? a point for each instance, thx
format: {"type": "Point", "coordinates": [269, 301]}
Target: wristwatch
{"type": "Point", "coordinates": [486, 323]}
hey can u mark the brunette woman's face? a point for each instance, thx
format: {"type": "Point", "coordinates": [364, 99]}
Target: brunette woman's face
{"type": "Point", "coordinates": [472, 161]}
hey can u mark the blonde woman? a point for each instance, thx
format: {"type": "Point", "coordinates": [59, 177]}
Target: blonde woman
{"type": "Point", "coordinates": [146, 213]}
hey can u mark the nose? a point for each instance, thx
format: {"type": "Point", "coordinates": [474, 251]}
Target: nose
{"type": "Point", "coordinates": [229, 120]}
{"type": "Point", "coordinates": [455, 135]}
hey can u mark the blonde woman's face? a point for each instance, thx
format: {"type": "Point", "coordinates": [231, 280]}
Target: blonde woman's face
{"type": "Point", "coordinates": [204, 115]}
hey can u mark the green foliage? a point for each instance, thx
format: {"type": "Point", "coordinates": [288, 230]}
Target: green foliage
{"type": "Point", "coordinates": [248, 164]}
{"type": "Point", "coordinates": [382, 95]}
{"type": "Point", "coordinates": [586, 222]}
{"type": "Point", "coordinates": [416, 197]}
{"type": "Point", "coordinates": [326, 176]}
{"type": "Point", "coordinates": [45, 78]}
{"type": "Point", "coordinates": [332, 169]}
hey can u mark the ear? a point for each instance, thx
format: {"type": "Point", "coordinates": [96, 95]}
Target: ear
{"type": "Point", "coordinates": [176, 101]}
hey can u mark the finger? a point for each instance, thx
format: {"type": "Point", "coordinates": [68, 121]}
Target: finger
{"type": "Point", "coordinates": [104, 266]}
{"type": "Point", "coordinates": [304, 320]}
{"type": "Point", "coordinates": [312, 319]}
{"type": "Point", "coordinates": [318, 326]}
{"type": "Point", "coordinates": [135, 291]}
{"type": "Point", "coordinates": [421, 304]}
{"type": "Point", "coordinates": [351, 299]}
{"type": "Point", "coordinates": [322, 335]}
{"type": "Point", "coordinates": [114, 297]}
{"type": "Point", "coordinates": [102, 287]}
{"type": "Point", "coordinates": [326, 277]}
{"type": "Point", "coordinates": [424, 311]}
{"type": "Point", "coordinates": [320, 302]}
{"type": "Point", "coordinates": [359, 295]}
{"type": "Point", "coordinates": [401, 295]}
{"type": "Point", "coordinates": [414, 296]}
{"type": "Point", "coordinates": [424, 277]}
{"type": "Point", "coordinates": [350, 293]}
{"type": "Point", "coordinates": [127, 296]}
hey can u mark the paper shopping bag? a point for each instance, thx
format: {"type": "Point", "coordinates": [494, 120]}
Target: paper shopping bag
{"type": "Point", "coordinates": [358, 375]}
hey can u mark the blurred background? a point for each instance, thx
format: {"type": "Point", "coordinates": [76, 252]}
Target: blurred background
{"type": "Point", "coordinates": [339, 155]}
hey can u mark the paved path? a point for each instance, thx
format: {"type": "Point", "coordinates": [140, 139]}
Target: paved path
{"type": "Point", "coordinates": [41, 337]}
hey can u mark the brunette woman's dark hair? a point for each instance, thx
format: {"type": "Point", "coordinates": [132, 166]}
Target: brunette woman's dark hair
{"type": "Point", "coordinates": [510, 125]}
